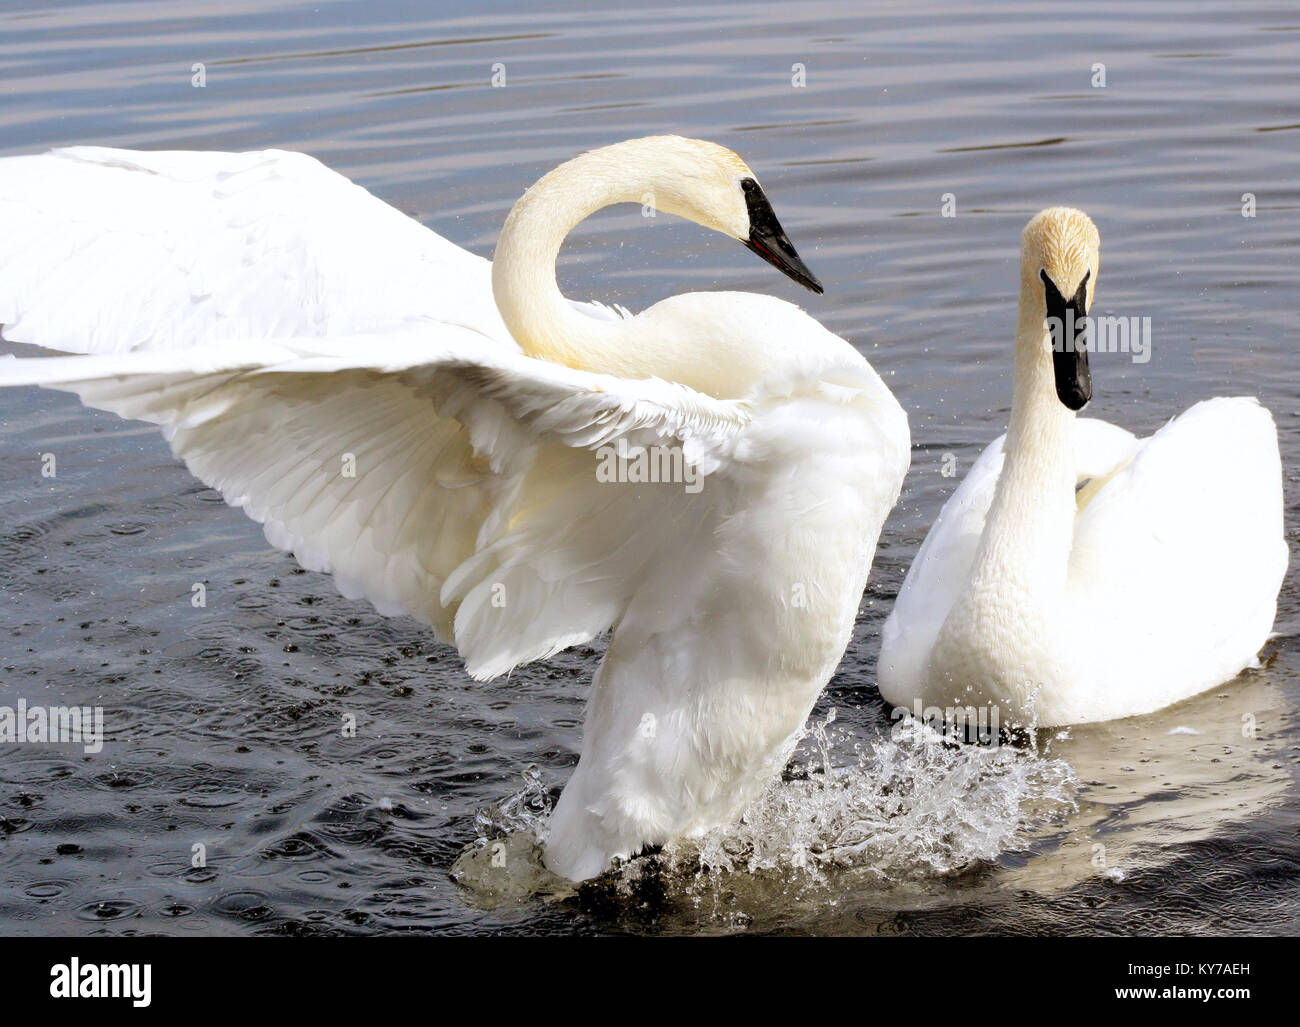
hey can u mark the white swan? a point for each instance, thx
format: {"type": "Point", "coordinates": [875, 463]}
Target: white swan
{"type": "Point", "coordinates": [284, 328]}
{"type": "Point", "coordinates": [1067, 602]}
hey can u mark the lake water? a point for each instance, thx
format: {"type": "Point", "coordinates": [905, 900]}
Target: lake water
{"type": "Point", "coordinates": [222, 722]}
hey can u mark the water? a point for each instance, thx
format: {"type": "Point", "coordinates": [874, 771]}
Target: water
{"type": "Point", "coordinates": [222, 722]}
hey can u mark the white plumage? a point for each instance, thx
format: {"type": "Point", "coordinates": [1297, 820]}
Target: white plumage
{"type": "Point", "coordinates": [282, 326]}
{"type": "Point", "coordinates": [1082, 574]}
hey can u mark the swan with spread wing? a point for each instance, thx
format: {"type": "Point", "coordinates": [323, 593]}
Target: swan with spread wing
{"type": "Point", "coordinates": [427, 427]}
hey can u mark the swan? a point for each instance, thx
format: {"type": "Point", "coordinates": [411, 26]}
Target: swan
{"type": "Point", "coordinates": [1079, 573]}
{"type": "Point", "coordinates": [428, 427]}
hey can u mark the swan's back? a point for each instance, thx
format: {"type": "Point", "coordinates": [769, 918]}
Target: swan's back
{"type": "Point", "coordinates": [1178, 560]}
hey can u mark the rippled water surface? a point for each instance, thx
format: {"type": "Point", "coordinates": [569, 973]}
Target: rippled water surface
{"type": "Point", "coordinates": [222, 722]}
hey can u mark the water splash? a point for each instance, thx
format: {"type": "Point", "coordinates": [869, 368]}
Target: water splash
{"type": "Point", "coordinates": [503, 865]}
{"type": "Point", "coordinates": [911, 804]}
{"type": "Point", "coordinates": [527, 810]}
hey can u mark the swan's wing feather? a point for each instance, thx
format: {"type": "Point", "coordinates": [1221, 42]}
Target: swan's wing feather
{"type": "Point", "coordinates": [944, 561]}
{"type": "Point", "coordinates": [109, 251]}
{"type": "Point", "coordinates": [429, 481]}
{"type": "Point", "coordinates": [1100, 448]}
{"type": "Point", "coordinates": [1196, 513]}
{"type": "Point", "coordinates": [601, 311]}
{"type": "Point", "coordinates": [645, 412]}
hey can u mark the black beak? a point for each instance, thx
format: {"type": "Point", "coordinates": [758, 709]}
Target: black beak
{"type": "Point", "coordinates": [1065, 319]}
{"type": "Point", "coordinates": [768, 239]}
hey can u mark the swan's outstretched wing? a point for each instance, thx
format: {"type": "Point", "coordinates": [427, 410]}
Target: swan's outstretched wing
{"type": "Point", "coordinates": [419, 471]}
{"type": "Point", "coordinates": [107, 251]}
{"type": "Point", "coordinates": [947, 555]}
{"type": "Point", "coordinates": [1181, 554]}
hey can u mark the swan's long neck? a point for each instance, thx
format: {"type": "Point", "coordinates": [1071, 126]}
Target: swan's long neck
{"type": "Point", "coordinates": [523, 270]}
{"type": "Point", "coordinates": [1025, 548]}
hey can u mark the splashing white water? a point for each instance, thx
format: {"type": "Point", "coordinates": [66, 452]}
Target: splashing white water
{"type": "Point", "coordinates": [526, 810]}
{"type": "Point", "coordinates": [912, 804]}
{"type": "Point", "coordinates": [503, 864]}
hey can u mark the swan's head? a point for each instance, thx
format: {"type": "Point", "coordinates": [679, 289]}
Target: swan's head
{"type": "Point", "coordinates": [1059, 261]}
{"type": "Point", "coordinates": [710, 185]}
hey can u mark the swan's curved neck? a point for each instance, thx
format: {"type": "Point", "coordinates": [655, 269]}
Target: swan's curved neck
{"type": "Point", "coordinates": [541, 320]}
{"type": "Point", "coordinates": [1025, 548]}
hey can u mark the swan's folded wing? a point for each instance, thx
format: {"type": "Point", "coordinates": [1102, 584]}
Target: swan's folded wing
{"type": "Point", "coordinates": [432, 482]}
{"type": "Point", "coordinates": [1195, 516]}
{"type": "Point", "coordinates": [945, 559]}
{"type": "Point", "coordinates": [109, 251]}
